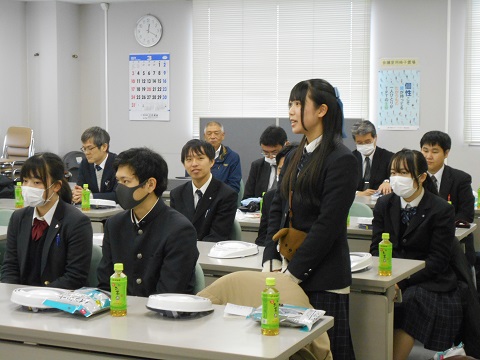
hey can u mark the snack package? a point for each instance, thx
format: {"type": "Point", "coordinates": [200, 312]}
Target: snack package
{"type": "Point", "coordinates": [85, 301]}
{"type": "Point", "coordinates": [456, 350]}
{"type": "Point", "coordinates": [292, 316]}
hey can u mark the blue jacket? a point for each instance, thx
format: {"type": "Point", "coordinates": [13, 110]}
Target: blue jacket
{"type": "Point", "coordinates": [227, 168]}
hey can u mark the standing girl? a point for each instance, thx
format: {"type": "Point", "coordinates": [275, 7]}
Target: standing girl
{"type": "Point", "coordinates": [321, 176]}
{"type": "Point", "coordinates": [421, 227]}
{"type": "Point", "coordinates": [49, 242]}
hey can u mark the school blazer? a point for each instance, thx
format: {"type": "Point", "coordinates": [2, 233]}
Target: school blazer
{"type": "Point", "coordinates": [322, 262]}
{"type": "Point", "coordinates": [87, 175]}
{"type": "Point", "coordinates": [66, 253]}
{"type": "Point", "coordinates": [379, 170]}
{"type": "Point", "coordinates": [429, 236]}
{"type": "Point", "coordinates": [213, 218]}
{"type": "Point", "coordinates": [258, 178]}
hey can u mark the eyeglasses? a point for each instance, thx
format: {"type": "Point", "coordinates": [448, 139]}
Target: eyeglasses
{"type": "Point", "coordinates": [268, 153]}
{"type": "Point", "coordinates": [87, 149]}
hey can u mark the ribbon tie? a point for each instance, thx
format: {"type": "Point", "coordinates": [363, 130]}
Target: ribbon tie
{"type": "Point", "coordinates": [38, 228]}
{"type": "Point", "coordinates": [408, 213]}
{"type": "Point", "coordinates": [303, 160]}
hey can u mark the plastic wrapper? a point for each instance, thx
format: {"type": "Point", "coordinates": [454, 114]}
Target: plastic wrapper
{"type": "Point", "coordinates": [453, 351]}
{"type": "Point", "coordinates": [84, 301]}
{"type": "Point", "coordinates": [293, 316]}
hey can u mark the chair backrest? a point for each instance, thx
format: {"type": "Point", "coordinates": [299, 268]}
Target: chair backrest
{"type": "Point", "coordinates": [360, 210]}
{"type": "Point", "coordinates": [3, 245]}
{"type": "Point", "coordinates": [199, 279]}
{"type": "Point", "coordinates": [18, 144]}
{"type": "Point", "coordinates": [240, 193]}
{"type": "Point", "coordinates": [92, 280]}
{"type": "Point", "coordinates": [5, 215]}
{"type": "Point", "coordinates": [72, 162]}
{"type": "Point", "coordinates": [236, 233]}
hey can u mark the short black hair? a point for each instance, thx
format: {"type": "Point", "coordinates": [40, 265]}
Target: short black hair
{"type": "Point", "coordinates": [44, 165]}
{"type": "Point", "coordinates": [273, 135]}
{"type": "Point", "coordinates": [98, 135]}
{"type": "Point", "coordinates": [145, 164]}
{"type": "Point", "coordinates": [435, 137]}
{"type": "Point", "coordinates": [198, 147]}
{"type": "Point", "coordinates": [284, 151]}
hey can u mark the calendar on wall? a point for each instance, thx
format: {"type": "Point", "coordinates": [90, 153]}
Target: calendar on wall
{"type": "Point", "coordinates": [149, 88]}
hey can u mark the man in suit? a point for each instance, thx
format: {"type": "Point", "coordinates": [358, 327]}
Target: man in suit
{"type": "Point", "coordinates": [207, 202]}
{"type": "Point", "coordinates": [452, 184]}
{"type": "Point", "coordinates": [226, 167]}
{"type": "Point", "coordinates": [263, 172]}
{"type": "Point", "coordinates": [97, 169]}
{"type": "Point", "coordinates": [156, 244]}
{"type": "Point", "coordinates": [373, 161]}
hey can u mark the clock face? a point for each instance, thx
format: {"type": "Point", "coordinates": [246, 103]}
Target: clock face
{"type": "Point", "coordinates": [148, 31]}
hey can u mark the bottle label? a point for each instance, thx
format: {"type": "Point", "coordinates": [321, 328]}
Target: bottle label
{"type": "Point", "coordinates": [85, 199]}
{"type": "Point", "coordinates": [270, 315]}
{"type": "Point", "coordinates": [385, 257]}
{"type": "Point", "coordinates": [118, 293]}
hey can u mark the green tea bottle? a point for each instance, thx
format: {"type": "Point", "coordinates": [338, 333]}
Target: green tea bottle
{"type": "Point", "coordinates": [385, 256]}
{"type": "Point", "coordinates": [85, 198]}
{"type": "Point", "coordinates": [118, 287]}
{"type": "Point", "coordinates": [18, 196]}
{"type": "Point", "coordinates": [270, 311]}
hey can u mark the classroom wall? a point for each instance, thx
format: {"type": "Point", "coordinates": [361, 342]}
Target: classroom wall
{"type": "Point", "coordinates": [67, 95]}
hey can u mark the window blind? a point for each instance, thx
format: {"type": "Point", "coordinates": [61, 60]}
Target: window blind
{"type": "Point", "coordinates": [472, 75]}
{"type": "Point", "coordinates": [248, 54]}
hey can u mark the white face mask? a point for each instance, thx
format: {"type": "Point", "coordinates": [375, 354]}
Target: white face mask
{"type": "Point", "coordinates": [272, 161]}
{"type": "Point", "coordinates": [34, 197]}
{"type": "Point", "coordinates": [402, 186]}
{"type": "Point", "coordinates": [366, 149]}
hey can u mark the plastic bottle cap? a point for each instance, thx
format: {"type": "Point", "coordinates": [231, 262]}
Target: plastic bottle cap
{"type": "Point", "coordinates": [85, 186]}
{"type": "Point", "coordinates": [270, 281]}
{"type": "Point", "coordinates": [19, 183]}
{"type": "Point", "coordinates": [385, 236]}
{"type": "Point", "coordinates": [118, 267]}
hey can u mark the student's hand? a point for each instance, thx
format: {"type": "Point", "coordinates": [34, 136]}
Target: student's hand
{"type": "Point", "coordinates": [368, 192]}
{"type": "Point", "coordinates": [385, 188]}
{"type": "Point", "coordinates": [77, 194]}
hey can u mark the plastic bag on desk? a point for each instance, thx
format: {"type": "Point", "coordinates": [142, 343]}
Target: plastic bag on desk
{"type": "Point", "coordinates": [292, 316]}
{"type": "Point", "coordinates": [84, 301]}
{"type": "Point", "coordinates": [453, 351]}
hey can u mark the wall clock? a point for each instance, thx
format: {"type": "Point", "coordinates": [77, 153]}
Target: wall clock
{"type": "Point", "coordinates": [148, 30]}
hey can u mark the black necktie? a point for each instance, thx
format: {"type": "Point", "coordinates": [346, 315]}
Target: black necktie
{"type": "Point", "coordinates": [366, 176]}
{"type": "Point", "coordinates": [408, 213]}
{"type": "Point", "coordinates": [199, 194]}
{"type": "Point", "coordinates": [98, 167]}
{"type": "Point", "coordinates": [435, 182]}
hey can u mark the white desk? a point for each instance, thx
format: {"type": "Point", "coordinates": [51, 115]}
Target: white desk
{"type": "Point", "coordinates": [141, 334]}
{"type": "Point", "coordinates": [371, 298]}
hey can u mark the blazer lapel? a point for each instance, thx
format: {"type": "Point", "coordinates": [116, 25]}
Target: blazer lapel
{"type": "Point", "coordinates": [204, 204]}
{"type": "Point", "coordinates": [24, 237]}
{"type": "Point", "coordinates": [265, 175]}
{"type": "Point", "coordinates": [188, 201]}
{"type": "Point", "coordinates": [446, 183]}
{"type": "Point", "coordinates": [93, 178]}
{"type": "Point", "coordinates": [395, 214]}
{"type": "Point", "coordinates": [107, 174]}
{"type": "Point", "coordinates": [53, 230]}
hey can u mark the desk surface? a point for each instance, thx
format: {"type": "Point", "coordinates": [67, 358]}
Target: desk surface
{"type": "Point", "coordinates": [366, 280]}
{"type": "Point", "coordinates": [93, 214]}
{"type": "Point", "coordinates": [145, 334]}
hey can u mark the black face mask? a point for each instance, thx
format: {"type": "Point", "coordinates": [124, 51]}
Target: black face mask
{"type": "Point", "coordinates": [125, 196]}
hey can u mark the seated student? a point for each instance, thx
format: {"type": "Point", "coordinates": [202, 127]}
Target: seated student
{"type": "Point", "coordinates": [421, 227]}
{"type": "Point", "coordinates": [227, 167]}
{"type": "Point", "coordinates": [268, 197]}
{"type": "Point", "coordinates": [97, 170]}
{"type": "Point", "coordinates": [156, 244]}
{"type": "Point", "coordinates": [263, 173]}
{"type": "Point", "coordinates": [373, 161]}
{"type": "Point", "coordinates": [207, 202]}
{"type": "Point", "coordinates": [452, 185]}
{"type": "Point", "coordinates": [49, 241]}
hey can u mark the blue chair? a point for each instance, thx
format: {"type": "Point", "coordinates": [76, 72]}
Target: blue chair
{"type": "Point", "coordinates": [360, 210]}
{"type": "Point", "coordinates": [199, 279]}
{"type": "Point", "coordinates": [236, 233]}
{"type": "Point", "coordinates": [240, 193]}
{"type": "Point", "coordinates": [5, 215]}
{"type": "Point", "coordinates": [92, 280]}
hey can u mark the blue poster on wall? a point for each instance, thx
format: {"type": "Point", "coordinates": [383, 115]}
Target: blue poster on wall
{"type": "Point", "coordinates": [399, 99]}
{"type": "Point", "coordinates": [149, 87]}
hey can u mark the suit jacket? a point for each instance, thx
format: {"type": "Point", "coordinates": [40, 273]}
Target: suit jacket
{"type": "Point", "coordinates": [215, 212]}
{"type": "Point", "coordinates": [262, 229]}
{"type": "Point", "coordinates": [379, 170]}
{"type": "Point", "coordinates": [66, 253]}
{"type": "Point", "coordinates": [429, 236]}
{"type": "Point", "coordinates": [87, 175]}
{"type": "Point", "coordinates": [322, 262]}
{"type": "Point", "coordinates": [456, 185]}
{"type": "Point", "coordinates": [158, 256]}
{"type": "Point", "coordinates": [258, 178]}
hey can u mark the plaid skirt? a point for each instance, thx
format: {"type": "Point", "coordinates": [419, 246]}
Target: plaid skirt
{"type": "Point", "coordinates": [336, 305]}
{"type": "Point", "coordinates": [433, 318]}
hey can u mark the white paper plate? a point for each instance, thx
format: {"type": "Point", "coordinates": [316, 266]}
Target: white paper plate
{"type": "Point", "coordinates": [232, 249]}
{"type": "Point", "coordinates": [179, 302]}
{"type": "Point", "coordinates": [33, 297]}
{"type": "Point", "coordinates": [360, 261]}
